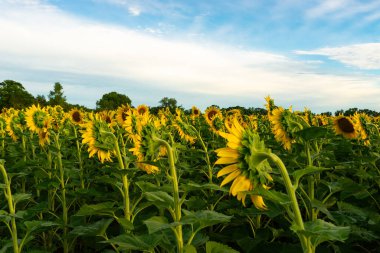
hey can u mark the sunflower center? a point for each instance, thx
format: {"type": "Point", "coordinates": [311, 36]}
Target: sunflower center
{"type": "Point", "coordinates": [211, 115]}
{"type": "Point", "coordinates": [345, 125]}
{"type": "Point", "coordinates": [141, 111]}
{"type": "Point", "coordinates": [76, 116]}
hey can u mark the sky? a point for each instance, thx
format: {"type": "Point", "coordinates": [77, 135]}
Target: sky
{"type": "Point", "coordinates": [319, 54]}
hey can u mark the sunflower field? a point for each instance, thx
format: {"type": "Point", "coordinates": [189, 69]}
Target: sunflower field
{"type": "Point", "coordinates": [218, 181]}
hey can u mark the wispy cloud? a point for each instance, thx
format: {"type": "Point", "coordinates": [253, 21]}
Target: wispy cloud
{"type": "Point", "coordinates": [363, 56]}
{"type": "Point", "coordinates": [134, 11]}
{"type": "Point", "coordinates": [46, 39]}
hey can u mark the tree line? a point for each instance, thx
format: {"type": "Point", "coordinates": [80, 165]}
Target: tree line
{"type": "Point", "coordinates": [13, 94]}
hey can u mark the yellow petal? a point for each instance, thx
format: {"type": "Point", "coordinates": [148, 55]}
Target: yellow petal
{"type": "Point", "coordinates": [227, 170]}
{"type": "Point", "coordinates": [227, 152]}
{"type": "Point", "coordinates": [258, 201]}
{"type": "Point", "coordinates": [226, 160]}
{"type": "Point", "coordinates": [230, 177]}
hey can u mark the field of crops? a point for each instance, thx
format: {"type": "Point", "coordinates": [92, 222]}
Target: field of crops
{"type": "Point", "coordinates": [213, 181]}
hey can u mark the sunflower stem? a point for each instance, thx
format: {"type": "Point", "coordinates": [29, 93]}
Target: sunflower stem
{"type": "Point", "coordinates": [63, 194]}
{"type": "Point", "coordinates": [79, 153]}
{"type": "Point", "coordinates": [124, 178]}
{"type": "Point", "coordinates": [311, 185]}
{"type": "Point", "coordinates": [177, 203]}
{"type": "Point", "coordinates": [294, 203]}
{"type": "Point", "coordinates": [12, 207]}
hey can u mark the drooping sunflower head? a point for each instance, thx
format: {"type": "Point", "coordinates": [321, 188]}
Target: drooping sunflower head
{"type": "Point", "coordinates": [37, 119]}
{"type": "Point", "coordinates": [284, 124]}
{"type": "Point", "coordinates": [344, 126]}
{"type": "Point", "coordinates": [362, 125]}
{"type": "Point", "coordinates": [185, 131]}
{"type": "Point", "coordinates": [245, 167]}
{"type": "Point", "coordinates": [134, 123]}
{"type": "Point", "coordinates": [270, 106]}
{"type": "Point", "coordinates": [122, 113]}
{"type": "Point", "coordinates": [146, 149]}
{"type": "Point", "coordinates": [76, 116]}
{"type": "Point", "coordinates": [15, 124]}
{"type": "Point", "coordinates": [99, 137]}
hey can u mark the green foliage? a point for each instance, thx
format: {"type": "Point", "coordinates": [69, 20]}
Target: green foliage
{"type": "Point", "coordinates": [112, 100]}
{"type": "Point", "coordinates": [13, 94]}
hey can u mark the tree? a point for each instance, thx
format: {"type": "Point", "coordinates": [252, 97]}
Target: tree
{"type": "Point", "coordinates": [171, 103]}
{"type": "Point", "coordinates": [13, 94]}
{"type": "Point", "coordinates": [56, 96]}
{"type": "Point", "coordinates": [41, 100]}
{"type": "Point", "coordinates": [112, 101]}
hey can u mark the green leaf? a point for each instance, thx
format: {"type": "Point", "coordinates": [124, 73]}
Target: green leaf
{"type": "Point", "coordinates": [126, 224]}
{"type": "Point", "coordinates": [157, 223]}
{"type": "Point", "coordinates": [205, 218]}
{"type": "Point", "coordinates": [133, 242]}
{"type": "Point", "coordinates": [160, 199]}
{"type": "Point", "coordinates": [196, 187]}
{"type": "Point", "coordinates": [189, 249]}
{"type": "Point", "coordinates": [311, 133]}
{"type": "Point", "coordinates": [215, 247]}
{"type": "Point", "coordinates": [94, 229]}
{"type": "Point", "coordinates": [274, 196]}
{"type": "Point", "coordinates": [298, 174]}
{"type": "Point", "coordinates": [105, 208]}
{"type": "Point", "coordinates": [34, 225]}
{"type": "Point", "coordinates": [320, 231]}
{"type": "Point", "coordinates": [18, 197]}
{"type": "Point", "coordinates": [4, 216]}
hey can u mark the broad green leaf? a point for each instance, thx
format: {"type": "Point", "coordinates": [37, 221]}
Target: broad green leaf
{"type": "Point", "coordinates": [157, 223]}
{"type": "Point", "coordinates": [274, 196]}
{"type": "Point", "coordinates": [18, 197]}
{"type": "Point", "coordinates": [216, 247]}
{"type": "Point", "coordinates": [196, 187]}
{"type": "Point", "coordinates": [39, 225]}
{"type": "Point", "coordinates": [105, 208]}
{"type": "Point", "coordinates": [205, 218]}
{"type": "Point", "coordinates": [311, 133]}
{"type": "Point", "coordinates": [298, 174]}
{"type": "Point", "coordinates": [126, 224]}
{"type": "Point", "coordinates": [160, 199]}
{"type": "Point", "coordinates": [189, 249]}
{"type": "Point", "coordinates": [321, 231]}
{"type": "Point", "coordinates": [94, 229]}
{"type": "Point", "coordinates": [134, 242]}
{"type": "Point", "coordinates": [6, 246]}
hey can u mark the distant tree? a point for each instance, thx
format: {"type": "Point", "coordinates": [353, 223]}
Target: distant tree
{"type": "Point", "coordinates": [350, 111]}
{"type": "Point", "coordinates": [56, 96]}
{"type": "Point", "coordinates": [13, 94]}
{"type": "Point", "coordinates": [41, 100]}
{"type": "Point", "coordinates": [326, 113]}
{"type": "Point", "coordinates": [171, 103]}
{"type": "Point", "coordinates": [337, 113]}
{"type": "Point", "coordinates": [112, 100]}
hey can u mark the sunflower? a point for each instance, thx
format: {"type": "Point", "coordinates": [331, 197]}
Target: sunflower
{"type": "Point", "coordinates": [344, 126]}
{"type": "Point", "coordinates": [134, 123]}
{"type": "Point", "coordinates": [122, 113]}
{"type": "Point", "coordinates": [107, 116]}
{"type": "Point", "coordinates": [361, 121]}
{"type": "Point", "coordinates": [320, 120]}
{"type": "Point", "coordinates": [15, 124]}
{"type": "Point", "coordinates": [195, 112]}
{"type": "Point", "coordinates": [242, 168]}
{"type": "Point", "coordinates": [279, 127]}
{"type": "Point", "coordinates": [214, 118]}
{"type": "Point", "coordinates": [99, 138]}
{"type": "Point", "coordinates": [142, 110]}
{"type": "Point", "coordinates": [76, 116]}
{"type": "Point", "coordinates": [184, 130]}
{"type": "Point", "coordinates": [37, 119]}
{"type": "Point", "coordinates": [269, 105]}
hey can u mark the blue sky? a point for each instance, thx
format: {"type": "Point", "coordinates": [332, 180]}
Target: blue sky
{"type": "Point", "coordinates": [323, 54]}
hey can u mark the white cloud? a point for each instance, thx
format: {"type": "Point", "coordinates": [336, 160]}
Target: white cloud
{"type": "Point", "coordinates": [46, 39]}
{"type": "Point", "coordinates": [134, 11]}
{"type": "Point", "coordinates": [363, 56]}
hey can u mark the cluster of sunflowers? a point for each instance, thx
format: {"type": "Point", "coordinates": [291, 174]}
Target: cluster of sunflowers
{"type": "Point", "coordinates": [132, 126]}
